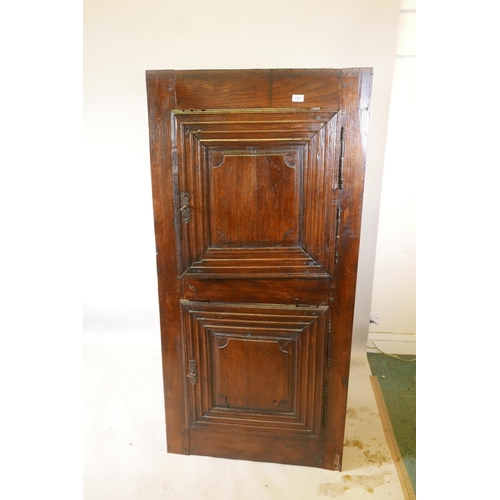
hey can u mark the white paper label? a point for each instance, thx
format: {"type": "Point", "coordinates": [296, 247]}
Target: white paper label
{"type": "Point", "coordinates": [297, 97]}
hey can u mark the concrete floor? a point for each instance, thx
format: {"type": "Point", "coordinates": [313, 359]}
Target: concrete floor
{"type": "Point", "coordinates": [125, 455]}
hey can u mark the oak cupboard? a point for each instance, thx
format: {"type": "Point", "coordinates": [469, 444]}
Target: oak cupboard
{"type": "Point", "coordinates": [257, 180]}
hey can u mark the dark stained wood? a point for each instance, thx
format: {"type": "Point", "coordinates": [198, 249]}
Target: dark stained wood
{"type": "Point", "coordinates": [161, 100]}
{"type": "Point", "coordinates": [260, 262]}
{"type": "Point", "coordinates": [238, 445]}
{"type": "Point", "coordinates": [356, 92]}
{"type": "Point", "coordinates": [222, 89]}
{"type": "Point", "coordinates": [257, 222]}
{"type": "Point", "coordinates": [257, 367]}
{"type": "Point", "coordinates": [273, 291]}
{"type": "Point", "coordinates": [236, 217]}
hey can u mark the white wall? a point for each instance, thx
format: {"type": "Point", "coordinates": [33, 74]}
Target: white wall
{"type": "Point", "coordinates": [124, 38]}
{"type": "Point", "coordinates": [394, 285]}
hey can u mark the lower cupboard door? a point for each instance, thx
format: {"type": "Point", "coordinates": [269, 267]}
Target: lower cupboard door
{"type": "Point", "coordinates": [254, 380]}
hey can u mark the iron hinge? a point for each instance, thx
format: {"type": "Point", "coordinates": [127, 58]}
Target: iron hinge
{"type": "Point", "coordinates": [341, 161]}
{"type": "Point", "coordinates": [329, 344]}
{"type": "Point", "coordinates": [337, 232]}
{"type": "Point", "coordinates": [325, 403]}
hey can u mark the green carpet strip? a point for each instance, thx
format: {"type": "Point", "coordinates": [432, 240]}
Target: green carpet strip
{"type": "Point", "coordinates": [397, 379]}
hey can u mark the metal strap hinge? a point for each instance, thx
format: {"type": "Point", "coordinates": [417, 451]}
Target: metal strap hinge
{"type": "Point", "coordinates": [325, 403]}
{"type": "Point", "coordinates": [341, 161]}
{"type": "Point", "coordinates": [337, 232]}
{"type": "Point", "coordinates": [329, 345]}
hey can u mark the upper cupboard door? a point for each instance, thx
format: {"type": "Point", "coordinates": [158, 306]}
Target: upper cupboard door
{"type": "Point", "coordinates": [256, 191]}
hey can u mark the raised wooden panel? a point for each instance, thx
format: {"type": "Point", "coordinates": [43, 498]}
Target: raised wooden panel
{"type": "Point", "coordinates": [264, 208]}
{"type": "Point", "coordinates": [238, 385]}
{"type": "Point", "coordinates": [257, 367]}
{"type": "Point", "coordinates": [252, 182]}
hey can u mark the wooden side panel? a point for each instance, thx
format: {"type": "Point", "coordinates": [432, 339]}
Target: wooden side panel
{"type": "Point", "coordinates": [356, 91]}
{"type": "Point", "coordinates": [161, 100]}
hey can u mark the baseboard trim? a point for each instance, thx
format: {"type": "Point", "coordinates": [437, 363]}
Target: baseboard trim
{"type": "Point", "coordinates": [392, 343]}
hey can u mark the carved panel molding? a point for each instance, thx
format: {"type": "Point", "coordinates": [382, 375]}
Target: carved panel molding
{"type": "Point", "coordinates": [268, 155]}
{"type": "Point", "coordinates": [283, 347]}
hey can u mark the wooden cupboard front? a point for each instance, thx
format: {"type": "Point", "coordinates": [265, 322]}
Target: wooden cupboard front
{"type": "Point", "coordinates": [257, 182]}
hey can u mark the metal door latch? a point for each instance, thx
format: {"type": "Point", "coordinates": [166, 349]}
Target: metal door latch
{"type": "Point", "coordinates": [185, 208]}
{"type": "Point", "coordinates": [192, 375]}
